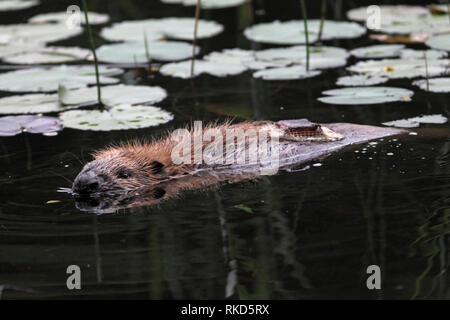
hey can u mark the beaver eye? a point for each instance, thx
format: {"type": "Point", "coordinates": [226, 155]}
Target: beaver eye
{"type": "Point", "coordinates": [123, 175]}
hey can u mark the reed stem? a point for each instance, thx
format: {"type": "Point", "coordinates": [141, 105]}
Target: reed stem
{"type": "Point", "coordinates": [305, 21]}
{"type": "Point", "coordinates": [197, 15]}
{"type": "Point", "coordinates": [323, 13]}
{"type": "Point", "coordinates": [91, 40]}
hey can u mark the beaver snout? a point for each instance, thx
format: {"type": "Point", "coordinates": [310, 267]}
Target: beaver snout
{"type": "Point", "coordinates": [87, 182]}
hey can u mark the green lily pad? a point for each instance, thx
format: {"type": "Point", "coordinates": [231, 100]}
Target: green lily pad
{"type": "Point", "coordinates": [61, 17]}
{"type": "Point", "coordinates": [208, 4]}
{"type": "Point", "coordinates": [401, 68]}
{"type": "Point", "coordinates": [420, 54]}
{"type": "Point", "coordinates": [434, 85]}
{"type": "Point", "coordinates": [47, 80]}
{"type": "Point", "coordinates": [440, 42]}
{"type": "Point", "coordinates": [378, 51]}
{"type": "Point", "coordinates": [156, 29]}
{"type": "Point", "coordinates": [286, 73]}
{"type": "Point", "coordinates": [37, 33]}
{"type": "Point", "coordinates": [321, 57]}
{"type": "Point", "coordinates": [11, 5]}
{"type": "Point", "coordinates": [183, 69]}
{"type": "Point", "coordinates": [246, 58]}
{"type": "Point", "coordinates": [49, 55]}
{"type": "Point", "coordinates": [121, 117]}
{"type": "Point", "coordinates": [402, 19]}
{"type": "Point", "coordinates": [416, 121]}
{"type": "Point", "coordinates": [113, 95]}
{"type": "Point", "coordinates": [360, 80]}
{"type": "Point", "coordinates": [135, 51]}
{"type": "Point", "coordinates": [30, 103]}
{"type": "Point", "coordinates": [366, 95]}
{"type": "Point", "coordinates": [293, 32]}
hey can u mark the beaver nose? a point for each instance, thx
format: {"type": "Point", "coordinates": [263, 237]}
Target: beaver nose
{"type": "Point", "coordinates": [86, 182]}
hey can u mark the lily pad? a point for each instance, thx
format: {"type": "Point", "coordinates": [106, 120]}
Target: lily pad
{"type": "Point", "coordinates": [208, 4]}
{"type": "Point", "coordinates": [401, 68]}
{"type": "Point", "coordinates": [30, 103]}
{"type": "Point", "coordinates": [286, 73]}
{"type": "Point", "coordinates": [156, 29]}
{"type": "Point", "coordinates": [366, 95]}
{"type": "Point", "coordinates": [47, 80]}
{"type": "Point", "coordinates": [37, 33]}
{"type": "Point", "coordinates": [416, 121]}
{"type": "Point", "coordinates": [420, 54]}
{"type": "Point", "coordinates": [61, 17]}
{"type": "Point", "coordinates": [183, 69]}
{"type": "Point", "coordinates": [114, 95]}
{"type": "Point", "coordinates": [378, 51]}
{"type": "Point", "coordinates": [440, 42]}
{"type": "Point", "coordinates": [10, 5]}
{"type": "Point", "coordinates": [121, 117]}
{"type": "Point", "coordinates": [360, 80]}
{"type": "Point", "coordinates": [49, 55]}
{"type": "Point", "coordinates": [434, 85]}
{"type": "Point", "coordinates": [403, 19]}
{"type": "Point", "coordinates": [246, 58]}
{"type": "Point", "coordinates": [135, 52]}
{"type": "Point", "coordinates": [13, 125]}
{"type": "Point", "coordinates": [293, 32]}
{"type": "Point", "coordinates": [320, 57]}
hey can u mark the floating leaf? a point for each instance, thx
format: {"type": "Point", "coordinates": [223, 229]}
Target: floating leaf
{"type": "Point", "coordinates": [243, 208]}
{"type": "Point", "coordinates": [61, 17]}
{"type": "Point", "coordinates": [245, 58]}
{"type": "Point", "coordinates": [401, 68]}
{"type": "Point", "coordinates": [121, 117]}
{"type": "Point", "coordinates": [420, 54]}
{"type": "Point", "coordinates": [30, 103]}
{"type": "Point", "coordinates": [49, 55]}
{"type": "Point", "coordinates": [208, 4]}
{"type": "Point", "coordinates": [156, 29]}
{"type": "Point", "coordinates": [10, 5]}
{"type": "Point", "coordinates": [404, 19]}
{"type": "Point", "coordinates": [440, 42]}
{"type": "Point", "coordinates": [360, 80]}
{"type": "Point", "coordinates": [183, 69]}
{"type": "Point", "coordinates": [293, 32]}
{"type": "Point", "coordinates": [135, 51]}
{"type": "Point", "coordinates": [286, 73]}
{"type": "Point", "coordinates": [378, 51]}
{"type": "Point", "coordinates": [416, 121]}
{"type": "Point", "coordinates": [38, 33]}
{"type": "Point", "coordinates": [321, 57]}
{"type": "Point", "coordinates": [434, 85]}
{"type": "Point", "coordinates": [366, 95]}
{"type": "Point", "coordinates": [12, 125]}
{"type": "Point", "coordinates": [47, 80]}
{"type": "Point", "coordinates": [114, 95]}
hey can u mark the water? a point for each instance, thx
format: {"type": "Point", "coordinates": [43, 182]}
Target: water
{"type": "Point", "coordinates": [310, 234]}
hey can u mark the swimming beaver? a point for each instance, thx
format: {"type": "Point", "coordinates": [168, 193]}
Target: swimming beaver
{"type": "Point", "coordinates": [126, 167]}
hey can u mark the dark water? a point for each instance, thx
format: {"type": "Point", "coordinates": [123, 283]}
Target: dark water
{"type": "Point", "coordinates": [311, 234]}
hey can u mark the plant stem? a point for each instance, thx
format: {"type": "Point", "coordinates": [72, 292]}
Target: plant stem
{"type": "Point", "coordinates": [426, 69]}
{"type": "Point", "coordinates": [305, 21]}
{"type": "Point", "coordinates": [197, 15]}
{"type": "Point", "coordinates": [147, 53]}
{"type": "Point", "coordinates": [323, 13]}
{"type": "Point", "coordinates": [91, 40]}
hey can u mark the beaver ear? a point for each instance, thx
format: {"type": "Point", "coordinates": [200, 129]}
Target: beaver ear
{"type": "Point", "coordinates": [156, 167]}
{"type": "Point", "coordinates": [159, 193]}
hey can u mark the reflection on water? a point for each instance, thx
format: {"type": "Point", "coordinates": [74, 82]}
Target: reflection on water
{"type": "Point", "coordinates": [311, 233]}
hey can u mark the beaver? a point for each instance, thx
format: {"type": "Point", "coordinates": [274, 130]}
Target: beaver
{"type": "Point", "coordinates": [129, 166]}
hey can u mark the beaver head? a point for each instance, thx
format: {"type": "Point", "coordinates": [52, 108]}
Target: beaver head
{"type": "Point", "coordinates": [120, 169]}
